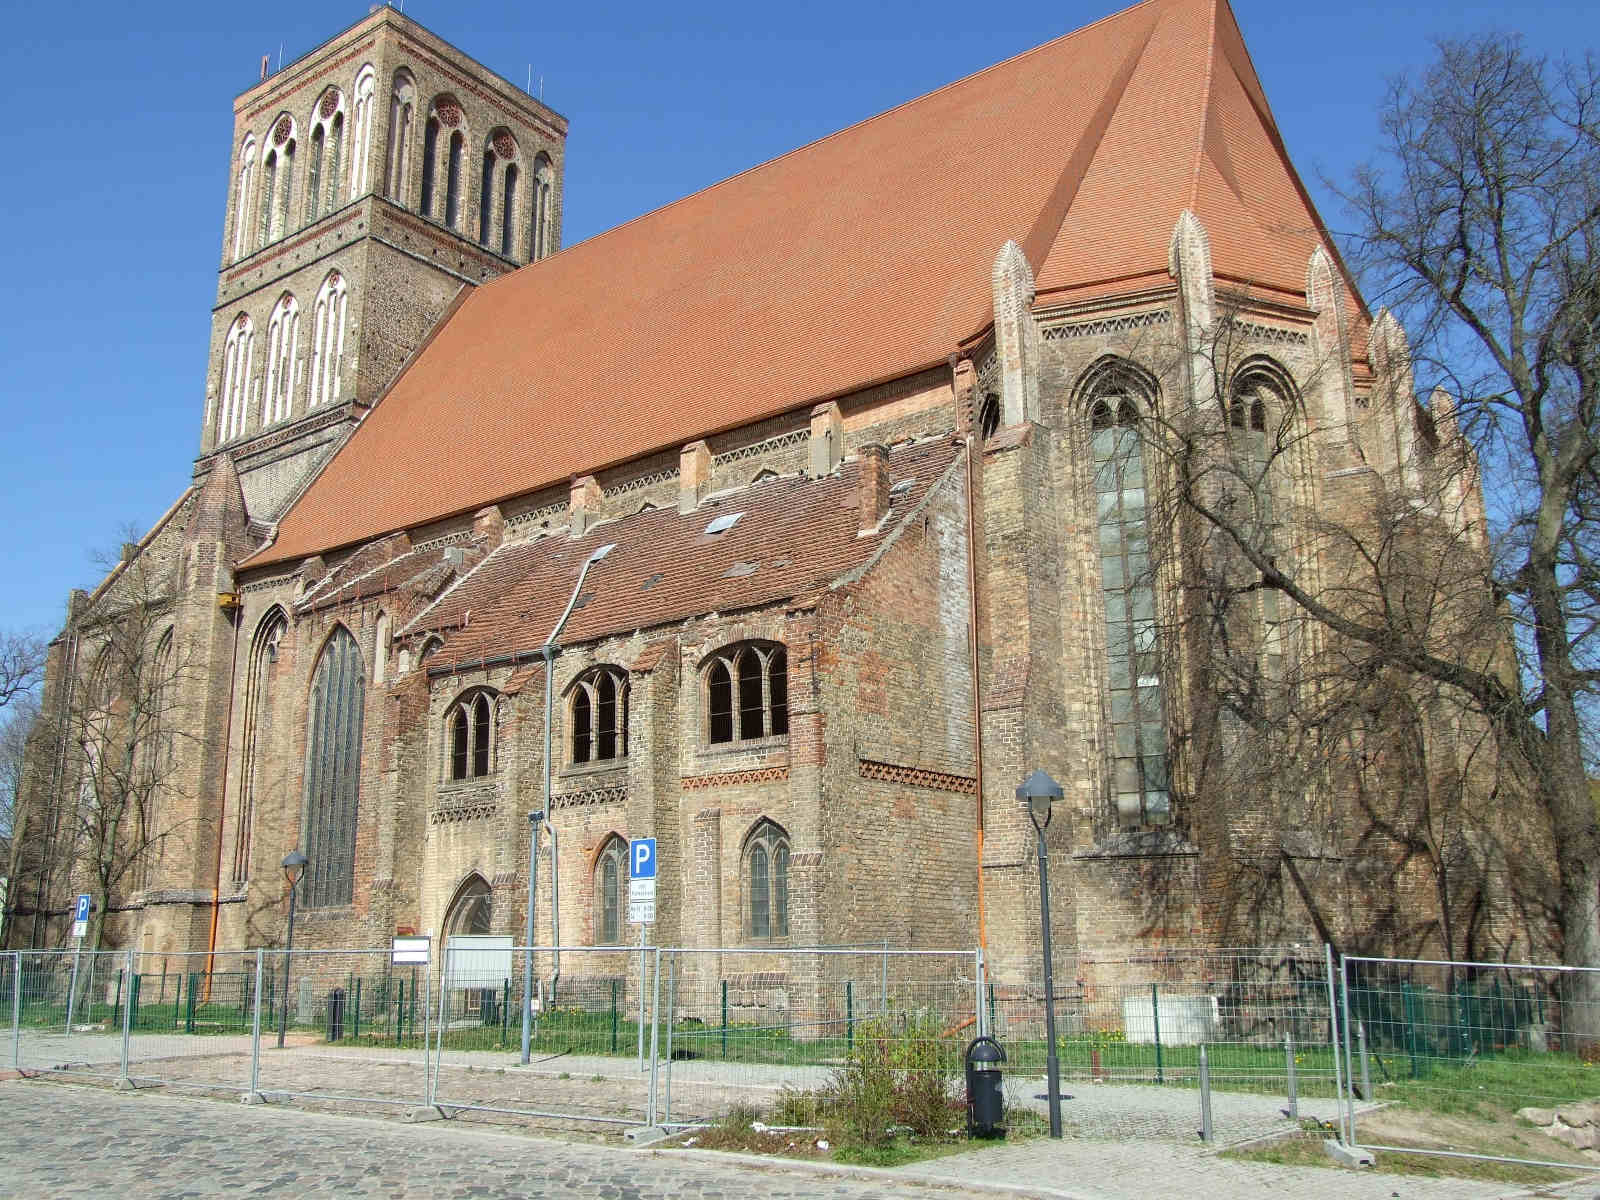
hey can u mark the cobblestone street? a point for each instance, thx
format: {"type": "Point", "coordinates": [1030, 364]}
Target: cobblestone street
{"type": "Point", "coordinates": [59, 1139]}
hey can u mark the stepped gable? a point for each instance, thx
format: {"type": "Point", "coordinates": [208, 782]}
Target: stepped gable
{"type": "Point", "coordinates": [860, 258]}
{"type": "Point", "coordinates": [799, 534]}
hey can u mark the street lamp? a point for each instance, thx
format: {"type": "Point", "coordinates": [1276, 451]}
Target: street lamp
{"type": "Point", "coordinates": [294, 866]}
{"type": "Point", "coordinates": [534, 820]}
{"type": "Point", "coordinates": [1038, 792]}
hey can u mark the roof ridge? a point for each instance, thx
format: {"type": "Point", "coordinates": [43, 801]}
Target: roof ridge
{"type": "Point", "coordinates": [1205, 108]}
{"type": "Point", "coordinates": [838, 133]}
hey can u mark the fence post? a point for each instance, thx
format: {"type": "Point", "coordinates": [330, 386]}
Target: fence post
{"type": "Point", "coordinates": [1205, 1097]}
{"type": "Point", "coordinates": [1333, 1031]}
{"type": "Point", "coordinates": [672, 1005]}
{"type": "Point", "coordinates": [188, 1011]}
{"type": "Point", "coordinates": [125, 998]}
{"type": "Point", "coordinates": [724, 1019]}
{"type": "Point", "coordinates": [254, 1094]}
{"type": "Point", "coordinates": [849, 1015]}
{"type": "Point", "coordinates": [977, 993]}
{"type": "Point", "coordinates": [1366, 1069]}
{"type": "Point", "coordinates": [16, 1015]}
{"type": "Point", "coordinates": [642, 928]}
{"type": "Point", "coordinates": [72, 985]}
{"type": "Point", "coordinates": [1288, 1063]}
{"type": "Point", "coordinates": [1155, 1022]}
{"type": "Point", "coordinates": [1349, 1061]}
{"type": "Point", "coordinates": [356, 1020]}
{"type": "Point", "coordinates": [431, 1082]}
{"type": "Point", "coordinates": [655, 1029]}
{"type": "Point", "coordinates": [1411, 1028]}
{"type": "Point", "coordinates": [613, 1016]}
{"type": "Point", "coordinates": [885, 974]}
{"type": "Point", "coordinates": [133, 995]}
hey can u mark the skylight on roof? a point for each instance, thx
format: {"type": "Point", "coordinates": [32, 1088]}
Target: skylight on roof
{"type": "Point", "coordinates": [723, 523]}
{"type": "Point", "coordinates": [902, 487]}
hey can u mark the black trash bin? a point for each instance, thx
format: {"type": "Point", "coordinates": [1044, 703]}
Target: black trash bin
{"type": "Point", "coordinates": [986, 1107]}
{"type": "Point", "coordinates": [336, 1015]}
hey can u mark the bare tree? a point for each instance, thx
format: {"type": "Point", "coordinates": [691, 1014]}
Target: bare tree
{"type": "Point", "coordinates": [15, 725]}
{"type": "Point", "coordinates": [123, 730]}
{"type": "Point", "coordinates": [21, 666]}
{"type": "Point", "coordinates": [1479, 227]}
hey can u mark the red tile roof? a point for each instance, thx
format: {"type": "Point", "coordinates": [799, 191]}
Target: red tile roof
{"type": "Point", "coordinates": [860, 258]}
{"type": "Point", "coordinates": [799, 535]}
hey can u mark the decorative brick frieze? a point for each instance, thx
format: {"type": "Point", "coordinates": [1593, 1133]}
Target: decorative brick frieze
{"type": "Point", "coordinates": [1106, 326]}
{"type": "Point", "coordinates": [701, 783]}
{"type": "Point", "coordinates": [615, 794]}
{"type": "Point", "coordinates": [939, 781]}
{"type": "Point", "coordinates": [465, 812]}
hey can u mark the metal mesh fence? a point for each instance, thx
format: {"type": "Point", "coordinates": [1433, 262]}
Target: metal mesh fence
{"type": "Point", "coordinates": [813, 1036]}
{"type": "Point", "coordinates": [344, 1025]}
{"type": "Point", "coordinates": [1477, 1040]}
{"type": "Point", "coordinates": [585, 1024]}
{"type": "Point", "coordinates": [191, 1017]}
{"type": "Point", "coordinates": [1143, 1020]}
{"type": "Point", "coordinates": [67, 1011]}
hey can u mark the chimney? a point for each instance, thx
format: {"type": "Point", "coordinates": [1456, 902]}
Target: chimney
{"type": "Point", "coordinates": [827, 439]}
{"type": "Point", "coordinates": [872, 486]}
{"type": "Point", "coordinates": [265, 60]}
{"type": "Point", "coordinates": [694, 472]}
{"type": "Point", "coordinates": [584, 507]}
{"type": "Point", "coordinates": [489, 527]}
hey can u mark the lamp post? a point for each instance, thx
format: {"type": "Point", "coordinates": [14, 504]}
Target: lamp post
{"type": "Point", "coordinates": [294, 866]}
{"type": "Point", "coordinates": [1038, 792]}
{"type": "Point", "coordinates": [534, 820]}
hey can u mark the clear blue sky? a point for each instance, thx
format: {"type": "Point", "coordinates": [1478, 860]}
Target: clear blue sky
{"type": "Point", "coordinates": [116, 158]}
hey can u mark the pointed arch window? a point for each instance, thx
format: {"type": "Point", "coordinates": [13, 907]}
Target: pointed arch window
{"type": "Point", "coordinates": [430, 154]}
{"type": "Point", "coordinates": [471, 912]}
{"type": "Point", "coordinates": [238, 367]}
{"type": "Point", "coordinates": [245, 180]}
{"type": "Point", "coordinates": [327, 341]}
{"type": "Point", "coordinates": [470, 731]}
{"type": "Point", "coordinates": [260, 683]}
{"type": "Point", "coordinates": [599, 715]}
{"type": "Point", "coordinates": [1260, 412]}
{"type": "Point", "coordinates": [283, 361]}
{"type": "Point", "coordinates": [766, 882]}
{"type": "Point", "coordinates": [333, 771]}
{"type": "Point", "coordinates": [610, 876]}
{"type": "Point", "coordinates": [1135, 701]}
{"type": "Point", "coordinates": [361, 131]}
{"type": "Point", "coordinates": [327, 136]}
{"type": "Point", "coordinates": [452, 181]}
{"type": "Point", "coordinates": [543, 232]}
{"type": "Point", "coordinates": [277, 180]}
{"type": "Point", "coordinates": [402, 103]}
{"type": "Point", "coordinates": [508, 209]}
{"type": "Point", "coordinates": [747, 693]}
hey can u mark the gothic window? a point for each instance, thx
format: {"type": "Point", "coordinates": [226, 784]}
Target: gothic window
{"type": "Point", "coordinates": [361, 131]}
{"type": "Point", "coordinates": [280, 223]}
{"type": "Point", "coordinates": [543, 221]}
{"type": "Point", "coordinates": [402, 103]}
{"type": "Point", "coordinates": [241, 198]}
{"type": "Point", "coordinates": [1259, 406]}
{"type": "Point", "coordinates": [989, 417]}
{"type": "Point", "coordinates": [327, 135]}
{"type": "Point", "coordinates": [327, 341]}
{"type": "Point", "coordinates": [610, 878]}
{"type": "Point", "coordinates": [269, 186]}
{"type": "Point", "coordinates": [258, 715]}
{"type": "Point", "coordinates": [599, 711]}
{"type": "Point", "coordinates": [747, 693]}
{"type": "Point", "coordinates": [238, 363]}
{"type": "Point", "coordinates": [508, 209]}
{"type": "Point", "coordinates": [486, 197]}
{"type": "Point", "coordinates": [283, 361]}
{"type": "Point", "coordinates": [380, 649]}
{"type": "Point", "coordinates": [430, 151]}
{"type": "Point", "coordinates": [766, 882]}
{"type": "Point", "coordinates": [452, 181]}
{"type": "Point", "coordinates": [471, 911]}
{"type": "Point", "coordinates": [469, 727]}
{"type": "Point", "coordinates": [333, 771]}
{"type": "Point", "coordinates": [277, 179]}
{"type": "Point", "coordinates": [1135, 703]}
{"type": "Point", "coordinates": [158, 752]}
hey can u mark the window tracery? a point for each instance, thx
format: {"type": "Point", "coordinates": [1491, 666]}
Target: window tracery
{"type": "Point", "coordinates": [598, 715]}
{"type": "Point", "coordinates": [470, 730]}
{"type": "Point", "coordinates": [327, 341]}
{"type": "Point", "coordinates": [334, 720]}
{"type": "Point", "coordinates": [747, 693]}
{"type": "Point", "coordinates": [766, 882]}
{"type": "Point", "coordinates": [283, 361]}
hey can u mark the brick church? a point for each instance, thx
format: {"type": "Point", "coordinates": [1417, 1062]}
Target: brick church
{"type": "Point", "coordinates": [817, 510]}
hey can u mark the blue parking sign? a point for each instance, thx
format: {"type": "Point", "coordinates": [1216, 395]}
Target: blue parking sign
{"type": "Point", "coordinates": [642, 858]}
{"type": "Point", "coordinates": [81, 912]}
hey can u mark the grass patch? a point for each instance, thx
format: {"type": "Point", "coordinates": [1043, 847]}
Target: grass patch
{"type": "Point", "coordinates": [1307, 1151]}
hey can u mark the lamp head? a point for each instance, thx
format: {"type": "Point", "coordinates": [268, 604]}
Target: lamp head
{"type": "Point", "coordinates": [1039, 792]}
{"type": "Point", "coordinates": [294, 866]}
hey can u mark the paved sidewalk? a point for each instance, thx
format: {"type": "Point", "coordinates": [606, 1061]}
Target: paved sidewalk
{"type": "Point", "coordinates": [60, 1139]}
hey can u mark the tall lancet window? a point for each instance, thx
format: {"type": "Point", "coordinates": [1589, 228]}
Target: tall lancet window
{"type": "Point", "coordinates": [402, 106]}
{"type": "Point", "coordinates": [254, 773]}
{"type": "Point", "coordinates": [333, 771]}
{"type": "Point", "coordinates": [238, 365]}
{"type": "Point", "coordinates": [543, 218]}
{"type": "Point", "coordinates": [241, 198]}
{"type": "Point", "coordinates": [327, 132]}
{"type": "Point", "coordinates": [1136, 710]}
{"type": "Point", "coordinates": [283, 361]}
{"type": "Point", "coordinates": [327, 341]}
{"type": "Point", "coordinates": [361, 131]}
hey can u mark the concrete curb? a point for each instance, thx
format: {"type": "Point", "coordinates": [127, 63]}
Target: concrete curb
{"type": "Point", "coordinates": [906, 1174]}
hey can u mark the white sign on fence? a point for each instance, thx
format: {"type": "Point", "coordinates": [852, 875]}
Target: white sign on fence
{"type": "Point", "coordinates": [410, 951]}
{"type": "Point", "coordinates": [477, 960]}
